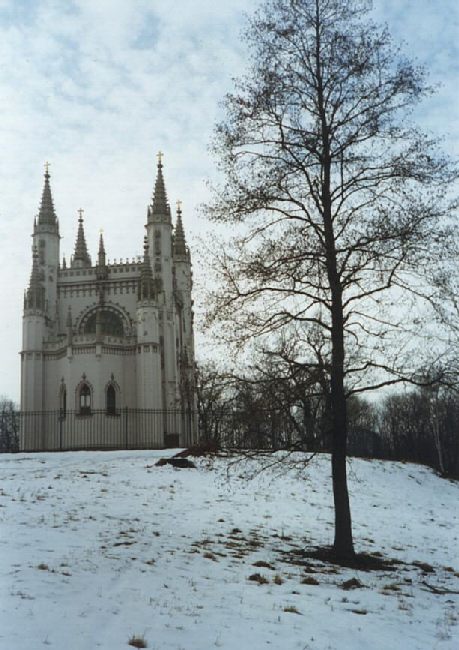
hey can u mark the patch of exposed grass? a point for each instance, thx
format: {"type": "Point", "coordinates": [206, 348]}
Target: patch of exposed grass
{"type": "Point", "coordinates": [291, 609]}
{"type": "Point", "coordinates": [257, 577]}
{"type": "Point", "coordinates": [262, 564]}
{"type": "Point", "coordinates": [137, 641]}
{"type": "Point", "coordinates": [426, 568]}
{"type": "Point", "coordinates": [352, 583]}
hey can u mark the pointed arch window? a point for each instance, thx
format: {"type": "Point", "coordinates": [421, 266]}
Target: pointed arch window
{"type": "Point", "coordinates": [110, 399]}
{"type": "Point", "coordinates": [85, 399]}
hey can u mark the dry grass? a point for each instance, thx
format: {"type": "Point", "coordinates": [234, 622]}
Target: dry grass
{"type": "Point", "coordinates": [263, 565]}
{"type": "Point", "coordinates": [257, 577]}
{"type": "Point", "coordinates": [210, 556]}
{"type": "Point", "coordinates": [137, 642]}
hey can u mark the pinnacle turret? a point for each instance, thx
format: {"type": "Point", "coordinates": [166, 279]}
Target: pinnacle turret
{"type": "Point", "coordinates": [101, 269]}
{"type": "Point", "coordinates": [159, 209]}
{"type": "Point", "coordinates": [179, 235]}
{"type": "Point", "coordinates": [101, 256]}
{"type": "Point", "coordinates": [81, 257]}
{"type": "Point", "coordinates": [147, 283]}
{"type": "Point", "coordinates": [46, 214]}
{"type": "Point", "coordinates": [35, 295]}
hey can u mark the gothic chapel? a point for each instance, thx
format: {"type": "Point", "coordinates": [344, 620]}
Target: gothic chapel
{"type": "Point", "coordinates": [108, 349]}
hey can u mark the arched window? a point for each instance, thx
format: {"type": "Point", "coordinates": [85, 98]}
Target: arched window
{"type": "Point", "coordinates": [85, 400]}
{"type": "Point", "coordinates": [111, 400]}
{"type": "Point", "coordinates": [111, 323]}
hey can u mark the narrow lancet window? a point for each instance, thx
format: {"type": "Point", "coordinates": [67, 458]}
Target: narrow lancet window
{"type": "Point", "coordinates": [85, 400]}
{"type": "Point", "coordinates": [111, 400]}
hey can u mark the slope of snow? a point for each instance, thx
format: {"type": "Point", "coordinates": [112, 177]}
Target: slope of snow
{"type": "Point", "coordinates": [96, 547]}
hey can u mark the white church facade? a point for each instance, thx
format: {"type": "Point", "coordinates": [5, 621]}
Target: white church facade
{"type": "Point", "coordinates": [107, 357]}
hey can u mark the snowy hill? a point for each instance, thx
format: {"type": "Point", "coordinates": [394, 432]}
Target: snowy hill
{"type": "Point", "coordinates": [97, 548]}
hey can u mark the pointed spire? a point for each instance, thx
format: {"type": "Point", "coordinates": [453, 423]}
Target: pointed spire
{"type": "Point", "coordinates": [179, 235]}
{"type": "Point", "coordinates": [160, 210]}
{"type": "Point", "coordinates": [101, 268]}
{"type": "Point", "coordinates": [101, 257]}
{"type": "Point", "coordinates": [46, 214]}
{"type": "Point", "coordinates": [147, 284]}
{"type": "Point", "coordinates": [81, 257]}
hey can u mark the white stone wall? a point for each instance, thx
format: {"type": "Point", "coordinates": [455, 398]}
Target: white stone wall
{"type": "Point", "coordinates": [143, 365]}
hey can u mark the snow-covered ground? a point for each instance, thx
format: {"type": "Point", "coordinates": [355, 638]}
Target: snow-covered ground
{"type": "Point", "coordinates": [98, 547]}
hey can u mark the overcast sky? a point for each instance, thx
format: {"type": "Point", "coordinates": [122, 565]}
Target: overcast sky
{"type": "Point", "coordinates": [97, 87]}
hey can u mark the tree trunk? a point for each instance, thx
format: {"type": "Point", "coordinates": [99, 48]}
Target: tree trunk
{"type": "Point", "coordinates": [343, 544]}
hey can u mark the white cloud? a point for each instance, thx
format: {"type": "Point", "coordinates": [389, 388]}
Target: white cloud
{"type": "Point", "coordinates": [98, 87]}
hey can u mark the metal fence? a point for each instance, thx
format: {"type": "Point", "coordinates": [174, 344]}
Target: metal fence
{"type": "Point", "coordinates": [121, 429]}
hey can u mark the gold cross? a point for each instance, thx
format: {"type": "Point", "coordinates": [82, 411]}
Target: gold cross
{"type": "Point", "coordinates": [179, 206]}
{"type": "Point", "coordinates": [80, 212]}
{"type": "Point", "coordinates": [160, 157]}
{"type": "Point", "coordinates": [47, 164]}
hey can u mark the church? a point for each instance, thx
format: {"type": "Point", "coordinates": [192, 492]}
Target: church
{"type": "Point", "coordinates": [107, 356]}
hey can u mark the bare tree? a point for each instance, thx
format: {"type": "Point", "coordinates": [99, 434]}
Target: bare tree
{"type": "Point", "coordinates": [212, 402]}
{"type": "Point", "coordinates": [342, 203]}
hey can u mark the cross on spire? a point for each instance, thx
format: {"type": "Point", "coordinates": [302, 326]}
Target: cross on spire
{"type": "Point", "coordinates": [80, 212]}
{"type": "Point", "coordinates": [159, 210]}
{"type": "Point", "coordinates": [46, 215]}
{"type": "Point", "coordinates": [179, 205]}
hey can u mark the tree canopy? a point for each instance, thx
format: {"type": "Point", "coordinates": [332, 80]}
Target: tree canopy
{"type": "Point", "coordinates": [344, 205]}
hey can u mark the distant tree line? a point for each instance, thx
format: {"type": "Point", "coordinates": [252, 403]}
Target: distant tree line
{"type": "Point", "coordinates": [419, 425]}
{"type": "Point", "coordinates": [9, 425]}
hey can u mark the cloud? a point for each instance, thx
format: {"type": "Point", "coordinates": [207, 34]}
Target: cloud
{"type": "Point", "coordinates": [97, 88]}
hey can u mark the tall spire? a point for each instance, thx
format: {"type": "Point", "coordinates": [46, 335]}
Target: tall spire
{"type": "Point", "coordinates": [81, 256]}
{"type": "Point", "coordinates": [179, 235]}
{"type": "Point", "coordinates": [46, 214]}
{"type": "Point", "coordinates": [159, 209]}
